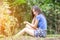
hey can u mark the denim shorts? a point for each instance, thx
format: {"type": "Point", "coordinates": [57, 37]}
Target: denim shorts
{"type": "Point", "coordinates": [40, 33]}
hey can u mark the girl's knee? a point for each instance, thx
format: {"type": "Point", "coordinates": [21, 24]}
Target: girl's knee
{"type": "Point", "coordinates": [27, 26]}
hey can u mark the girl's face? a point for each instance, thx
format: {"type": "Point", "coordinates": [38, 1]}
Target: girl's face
{"type": "Point", "coordinates": [35, 12]}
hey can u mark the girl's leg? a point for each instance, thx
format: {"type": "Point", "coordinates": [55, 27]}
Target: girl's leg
{"type": "Point", "coordinates": [28, 30]}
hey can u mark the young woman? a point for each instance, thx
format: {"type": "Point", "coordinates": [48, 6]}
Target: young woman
{"type": "Point", "coordinates": [38, 27]}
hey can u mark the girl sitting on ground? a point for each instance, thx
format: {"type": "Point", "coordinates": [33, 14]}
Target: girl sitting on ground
{"type": "Point", "coordinates": [38, 27]}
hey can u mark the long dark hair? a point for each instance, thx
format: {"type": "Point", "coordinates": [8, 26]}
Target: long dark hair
{"type": "Point", "coordinates": [36, 8]}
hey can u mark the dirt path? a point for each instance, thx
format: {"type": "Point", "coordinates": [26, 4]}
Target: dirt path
{"type": "Point", "coordinates": [30, 38]}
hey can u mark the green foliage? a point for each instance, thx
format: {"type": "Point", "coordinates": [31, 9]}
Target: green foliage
{"type": "Point", "coordinates": [16, 2]}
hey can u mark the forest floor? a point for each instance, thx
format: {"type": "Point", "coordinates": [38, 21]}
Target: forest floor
{"type": "Point", "coordinates": [49, 37]}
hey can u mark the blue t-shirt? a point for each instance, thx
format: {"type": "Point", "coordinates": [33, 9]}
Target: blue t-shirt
{"type": "Point", "coordinates": [42, 23]}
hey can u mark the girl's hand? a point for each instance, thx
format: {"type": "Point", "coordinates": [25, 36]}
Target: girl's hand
{"type": "Point", "coordinates": [25, 22]}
